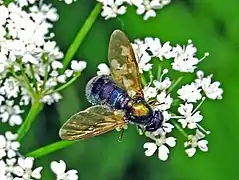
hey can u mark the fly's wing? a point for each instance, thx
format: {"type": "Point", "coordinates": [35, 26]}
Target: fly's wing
{"type": "Point", "coordinates": [91, 122]}
{"type": "Point", "coordinates": [123, 65]}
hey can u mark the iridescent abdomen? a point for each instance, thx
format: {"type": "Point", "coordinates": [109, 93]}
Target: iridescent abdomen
{"type": "Point", "coordinates": [102, 90]}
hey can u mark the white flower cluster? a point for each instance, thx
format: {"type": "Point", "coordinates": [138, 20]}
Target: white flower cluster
{"type": "Point", "coordinates": [60, 170]}
{"type": "Point", "coordinates": [113, 8]}
{"type": "Point", "coordinates": [29, 60]}
{"type": "Point", "coordinates": [188, 99]}
{"type": "Point", "coordinates": [13, 166]}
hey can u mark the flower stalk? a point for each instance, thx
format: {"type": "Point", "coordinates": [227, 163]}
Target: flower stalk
{"type": "Point", "coordinates": [32, 114]}
{"type": "Point", "coordinates": [50, 148]}
{"type": "Point", "coordinates": [72, 80]}
{"type": "Point", "coordinates": [159, 72]}
{"type": "Point", "coordinates": [179, 128]}
{"type": "Point", "coordinates": [174, 84]}
{"type": "Point", "coordinates": [81, 35]}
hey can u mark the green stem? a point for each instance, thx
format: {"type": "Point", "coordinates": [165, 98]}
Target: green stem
{"type": "Point", "coordinates": [25, 77]}
{"type": "Point", "coordinates": [64, 85]}
{"type": "Point", "coordinates": [81, 35]}
{"type": "Point", "coordinates": [159, 71]}
{"type": "Point", "coordinates": [180, 129]}
{"type": "Point", "coordinates": [34, 78]}
{"type": "Point", "coordinates": [23, 82]}
{"type": "Point", "coordinates": [143, 80]}
{"type": "Point", "coordinates": [151, 77]}
{"type": "Point", "coordinates": [45, 77]}
{"type": "Point", "coordinates": [50, 148]}
{"type": "Point", "coordinates": [32, 114]}
{"type": "Point", "coordinates": [174, 84]}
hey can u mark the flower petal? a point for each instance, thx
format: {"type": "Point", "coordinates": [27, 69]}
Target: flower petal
{"type": "Point", "coordinates": [190, 152]}
{"type": "Point", "coordinates": [171, 141]}
{"type": "Point", "coordinates": [151, 148]}
{"type": "Point", "coordinates": [203, 145]}
{"type": "Point", "coordinates": [163, 152]}
{"type": "Point", "coordinates": [37, 173]}
{"type": "Point", "coordinates": [58, 168]}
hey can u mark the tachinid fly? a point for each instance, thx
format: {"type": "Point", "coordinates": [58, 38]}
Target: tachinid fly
{"type": "Point", "coordinates": [116, 99]}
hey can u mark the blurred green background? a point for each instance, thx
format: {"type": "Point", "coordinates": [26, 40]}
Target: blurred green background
{"type": "Point", "coordinates": [213, 25]}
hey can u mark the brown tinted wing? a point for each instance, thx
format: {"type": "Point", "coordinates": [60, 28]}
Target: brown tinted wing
{"type": "Point", "coordinates": [123, 65]}
{"type": "Point", "coordinates": [93, 121]}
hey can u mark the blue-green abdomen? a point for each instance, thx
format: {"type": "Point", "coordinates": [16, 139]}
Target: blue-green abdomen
{"type": "Point", "coordinates": [103, 90]}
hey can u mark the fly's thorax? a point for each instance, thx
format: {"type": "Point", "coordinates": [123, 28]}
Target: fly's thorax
{"type": "Point", "coordinates": [139, 111]}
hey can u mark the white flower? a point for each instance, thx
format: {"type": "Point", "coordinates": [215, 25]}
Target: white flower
{"type": "Point", "coordinates": [143, 62]}
{"type": "Point", "coordinates": [28, 55]}
{"type": "Point", "coordinates": [162, 85]}
{"type": "Point", "coordinates": [69, 73]}
{"type": "Point", "coordinates": [164, 101]}
{"type": "Point", "coordinates": [2, 170]}
{"type": "Point", "coordinates": [4, 15]}
{"type": "Point", "coordinates": [149, 92]}
{"type": "Point", "coordinates": [148, 6]}
{"type": "Point", "coordinates": [162, 144]}
{"type": "Point", "coordinates": [159, 50]}
{"type": "Point", "coordinates": [8, 145]}
{"type": "Point", "coordinates": [2, 34]}
{"type": "Point", "coordinates": [190, 118]}
{"type": "Point", "coordinates": [52, 51]}
{"type": "Point", "coordinates": [56, 65]}
{"type": "Point", "coordinates": [190, 93]}
{"type": "Point", "coordinates": [210, 88]}
{"type": "Point", "coordinates": [111, 8]}
{"type": "Point", "coordinates": [61, 78]}
{"type": "Point", "coordinates": [25, 169]}
{"type": "Point", "coordinates": [11, 113]}
{"type": "Point", "coordinates": [29, 58]}
{"type": "Point", "coordinates": [196, 141]}
{"type": "Point", "coordinates": [103, 69]}
{"type": "Point", "coordinates": [10, 164]}
{"type": "Point", "coordinates": [25, 98]}
{"type": "Point", "coordinates": [139, 47]}
{"type": "Point", "coordinates": [183, 64]}
{"type": "Point", "coordinates": [184, 58]}
{"type": "Point", "coordinates": [78, 66]}
{"type": "Point", "coordinates": [68, 1]}
{"type": "Point", "coordinates": [142, 55]}
{"type": "Point", "coordinates": [23, 2]}
{"type": "Point", "coordinates": [60, 170]}
{"type": "Point", "coordinates": [51, 98]}
{"type": "Point", "coordinates": [10, 88]}
{"type": "Point", "coordinates": [47, 11]}
{"type": "Point", "coordinates": [151, 148]}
